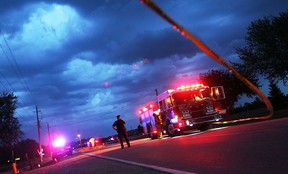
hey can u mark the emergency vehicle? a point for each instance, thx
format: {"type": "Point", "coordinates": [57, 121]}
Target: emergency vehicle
{"type": "Point", "coordinates": [147, 120]}
{"type": "Point", "coordinates": [94, 142]}
{"type": "Point", "coordinates": [60, 149]}
{"type": "Point", "coordinates": [191, 106]}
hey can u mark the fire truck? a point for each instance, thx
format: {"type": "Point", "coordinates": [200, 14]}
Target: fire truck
{"type": "Point", "coordinates": [183, 108]}
{"type": "Point", "coordinates": [191, 106]}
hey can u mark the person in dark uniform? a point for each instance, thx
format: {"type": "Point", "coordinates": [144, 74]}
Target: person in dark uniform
{"type": "Point", "coordinates": [119, 126]}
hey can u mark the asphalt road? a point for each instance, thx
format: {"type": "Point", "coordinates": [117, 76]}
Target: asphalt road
{"type": "Point", "coordinates": [250, 148]}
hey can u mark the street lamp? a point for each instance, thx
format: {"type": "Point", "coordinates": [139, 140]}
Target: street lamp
{"type": "Point", "coordinates": [79, 136]}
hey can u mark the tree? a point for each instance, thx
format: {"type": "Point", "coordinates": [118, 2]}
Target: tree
{"type": "Point", "coordinates": [24, 149]}
{"type": "Point", "coordinates": [266, 52]}
{"type": "Point", "coordinates": [10, 132]}
{"type": "Point", "coordinates": [233, 87]}
{"type": "Point", "coordinates": [277, 97]}
{"type": "Point", "coordinates": [27, 148]}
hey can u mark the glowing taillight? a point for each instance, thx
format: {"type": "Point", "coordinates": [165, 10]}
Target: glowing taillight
{"type": "Point", "coordinates": [179, 124]}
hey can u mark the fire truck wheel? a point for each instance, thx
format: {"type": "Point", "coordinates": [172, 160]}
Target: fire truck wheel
{"type": "Point", "coordinates": [171, 131]}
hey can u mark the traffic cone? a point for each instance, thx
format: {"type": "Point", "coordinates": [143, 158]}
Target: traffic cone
{"type": "Point", "coordinates": [14, 166]}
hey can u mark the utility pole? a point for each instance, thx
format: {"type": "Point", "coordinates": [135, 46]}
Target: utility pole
{"type": "Point", "coordinates": [38, 126]}
{"type": "Point", "coordinates": [49, 137]}
{"type": "Point", "coordinates": [156, 91]}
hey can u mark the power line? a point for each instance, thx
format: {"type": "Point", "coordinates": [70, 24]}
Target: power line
{"type": "Point", "coordinates": [6, 82]}
{"type": "Point", "coordinates": [4, 86]}
{"type": "Point", "coordinates": [17, 69]}
{"type": "Point", "coordinates": [17, 72]}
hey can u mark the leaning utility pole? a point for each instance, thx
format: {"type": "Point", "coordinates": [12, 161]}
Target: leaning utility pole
{"type": "Point", "coordinates": [38, 126]}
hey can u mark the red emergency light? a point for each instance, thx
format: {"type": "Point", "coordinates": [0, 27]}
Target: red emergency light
{"type": "Point", "coordinates": [190, 87]}
{"type": "Point", "coordinates": [146, 108]}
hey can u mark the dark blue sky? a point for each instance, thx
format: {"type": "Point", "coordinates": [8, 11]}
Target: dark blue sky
{"type": "Point", "coordinates": [84, 62]}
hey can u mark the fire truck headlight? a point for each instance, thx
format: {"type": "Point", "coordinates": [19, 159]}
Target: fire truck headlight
{"type": "Point", "coordinates": [218, 118]}
{"type": "Point", "coordinates": [174, 120]}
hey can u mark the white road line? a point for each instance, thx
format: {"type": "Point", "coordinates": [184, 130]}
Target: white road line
{"type": "Point", "coordinates": [162, 169]}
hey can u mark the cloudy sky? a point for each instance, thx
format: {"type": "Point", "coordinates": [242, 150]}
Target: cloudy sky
{"type": "Point", "coordinates": [84, 62]}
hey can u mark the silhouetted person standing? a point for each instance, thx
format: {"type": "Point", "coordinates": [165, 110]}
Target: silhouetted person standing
{"type": "Point", "coordinates": [119, 126]}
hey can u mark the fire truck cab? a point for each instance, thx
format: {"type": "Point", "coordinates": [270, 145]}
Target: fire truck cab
{"type": "Point", "coordinates": [189, 107]}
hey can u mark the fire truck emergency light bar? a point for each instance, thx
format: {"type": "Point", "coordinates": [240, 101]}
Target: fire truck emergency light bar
{"type": "Point", "coordinates": [146, 108]}
{"type": "Point", "coordinates": [191, 87]}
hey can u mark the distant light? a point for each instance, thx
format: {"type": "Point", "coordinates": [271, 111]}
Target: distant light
{"type": "Point", "coordinates": [59, 142]}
